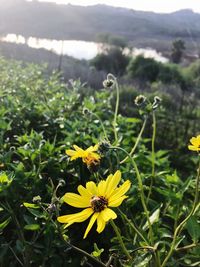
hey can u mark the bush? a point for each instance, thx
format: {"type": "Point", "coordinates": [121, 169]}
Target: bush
{"type": "Point", "coordinates": [143, 69]}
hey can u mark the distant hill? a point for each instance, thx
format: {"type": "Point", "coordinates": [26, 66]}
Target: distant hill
{"type": "Point", "coordinates": [48, 20]}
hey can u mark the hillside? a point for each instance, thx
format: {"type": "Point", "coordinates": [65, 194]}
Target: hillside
{"type": "Point", "coordinates": [48, 20]}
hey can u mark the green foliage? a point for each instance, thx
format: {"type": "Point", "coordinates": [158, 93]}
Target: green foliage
{"type": "Point", "coordinates": [192, 72]}
{"type": "Point", "coordinates": [40, 118]}
{"type": "Point", "coordinates": [113, 61]}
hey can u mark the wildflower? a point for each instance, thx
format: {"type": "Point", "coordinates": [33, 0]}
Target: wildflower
{"type": "Point", "coordinates": [140, 100]}
{"type": "Point", "coordinates": [89, 156]}
{"type": "Point", "coordinates": [96, 200]}
{"type": "Point", "coordinates": [195, 141]}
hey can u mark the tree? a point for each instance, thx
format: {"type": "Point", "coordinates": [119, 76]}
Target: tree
{"type": "Point", "coordinates": [178, 46]}
{"type": "Point", "coordinates": [113, 61]}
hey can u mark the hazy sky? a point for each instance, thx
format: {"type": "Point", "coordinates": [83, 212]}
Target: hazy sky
{"type": "Point", "coordinates": [148, 5]}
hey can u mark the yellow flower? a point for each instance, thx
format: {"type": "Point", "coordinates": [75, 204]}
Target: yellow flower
{"type": "Point", "coordinates": [96, 200]}
{"type": "Point", "coordinates": [89, 156]}
{"type": "Point", "coordinates": [195, 141]}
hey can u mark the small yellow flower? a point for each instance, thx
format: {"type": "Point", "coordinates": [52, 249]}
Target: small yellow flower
{"type": "Point", "coordinates": [96, 200]}
{"type": "Point", "coordinates": [195, 141]}
{"type": "Point", "coordinates": [88, 156]}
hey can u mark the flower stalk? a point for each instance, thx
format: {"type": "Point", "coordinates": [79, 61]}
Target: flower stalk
{"type": "Point", "coordinates": [120, 239]}
{"type": "Point", "coordinates": [137, 141]}
{"type": "Point", "coordinates": [152, 155]}
{"type": "Point", "coordinates": [142, 197]}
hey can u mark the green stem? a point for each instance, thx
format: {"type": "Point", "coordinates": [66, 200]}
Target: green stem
{"type": "Point", "coordinates": [89, 256]}
{"type": "Point", "coordinates": [143, 201]}
{"type": "Point", "coordinates": [132, 225]}
{"type": "Point", "coordinates": [103, 128]}
{"type": "Point", "coordinates": [152, 155]}
{"type": "Point", "coordinates": [137, 141]}
{"type": "Point", "coordinates": [181, 225]}
{"type": "Point", "coordinates": [83, 252]}
{"type": "Point", "coordinates": [142, 197]}
{"type": "Point", "coordinates": [188, 247]}
{"type": "Point", "coordinates": [120, 239]}
{"type": "Point", "coordinates": [116, 109]}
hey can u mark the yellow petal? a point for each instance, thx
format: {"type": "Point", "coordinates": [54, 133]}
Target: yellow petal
{"type": "Point", "coordinates": [100, 223]}
{"type": "Point", "coordinates": [118, 192]}
{"type": "Point", "coordinates": [92, 148]}
{"type": "Point", "coordinates": [112, 182]}
{"type": "Point", "coordinates": [76, 217]}
{"type": "Point", "coordinates": [84, 192]}
{"type": "Point", "coordinates": [70, 152]}
{"type": "Point", "coordinates": [116, 202]}
{"type": "Point", "coordinates": [194, 141]}
{"type": "Point", "coordinates": [108, 214]}
{"type": "Point", "coordinates": [78, 149]}
{"type": "Point", "coordinates": [94, 155]}
{"type": "Point", "coordinates": [76, 200]}
{"type": "Point", "coordinates": [73, 154]}
{"type": "Point", "coordinates": [92, 221]}
{"type": "Point", "coordinates": [102, 188]}
{"type": "Point", "coordinates": [92, 188]}
{"type": "Point", "coordinates": [193, 148]}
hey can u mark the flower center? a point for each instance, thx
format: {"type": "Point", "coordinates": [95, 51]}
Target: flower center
{"type": "Point", "coordinates": [98, 203]}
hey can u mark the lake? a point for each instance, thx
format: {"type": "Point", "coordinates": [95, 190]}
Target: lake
{"type": "Point", "coordinates": [74, 48]}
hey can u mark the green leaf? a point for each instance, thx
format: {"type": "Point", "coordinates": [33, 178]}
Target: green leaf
{"type": "Point", "coordinates": [133, 120]}
{"type": "Point", "coordinates": [153, 218]}
{"type": "Point", "coordinates": [31, 205]}
{"type": "Point", "coordinates": [4, 223]}
{"type": "Point", "coordinates": [3, 178]}
{"type": "Point", "coordinates": [32, 227]}
{"type": "Point", "coordinates": [193, 228]}
{"type": "Point", "coordinates": [174, 179]}
{"type": "Point", "coordinates": [4, 181]}
{"type": "Point", "coordinates": [19, 245]}
{"type": "Point", "coordinates": [97, 252]}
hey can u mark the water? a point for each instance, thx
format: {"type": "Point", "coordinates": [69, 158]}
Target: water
{"type": "Point", "coordinates": [76, 49]}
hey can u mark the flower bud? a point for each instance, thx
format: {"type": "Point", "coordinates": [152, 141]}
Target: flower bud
{"type": "Point", "coordinates": [86, 111]}
{"type": "Point", "coordinates": [104, 146]}
{"type": "Point", "coordinates": [140, 100]}
{"type": "Point", "coordinates": [37, 199]}
{"type": "Point", "coordinates": [156, 102]}
{"type": "Point", "coordinates": [108, 83]}
{"type": "Point", "coordinates": [61, 183]}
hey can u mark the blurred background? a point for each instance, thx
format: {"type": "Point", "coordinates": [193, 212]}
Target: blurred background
{"type": "Point", "coordinates": [86, 39]}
